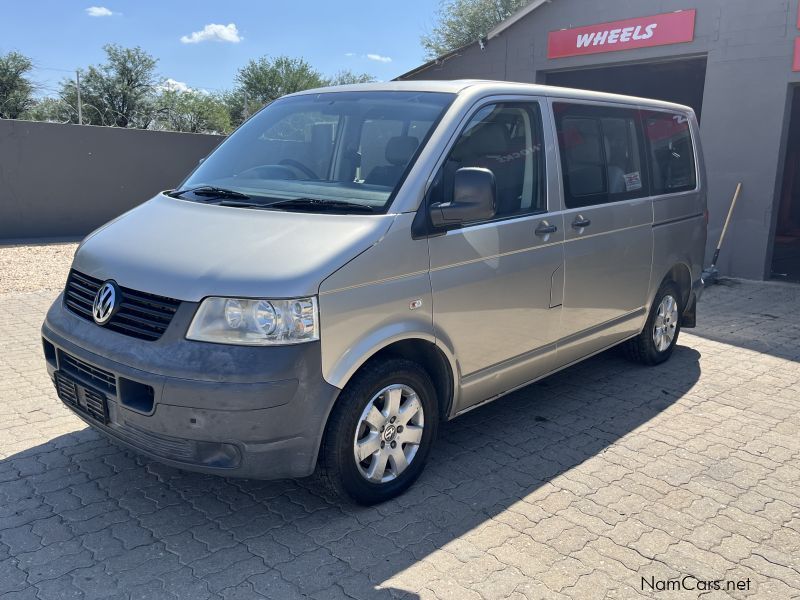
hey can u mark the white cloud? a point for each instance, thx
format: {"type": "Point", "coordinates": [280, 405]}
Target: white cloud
{"type": "Point", "coordinates": [98, 11]}
{"type": "Point", "coordinates": [349, 53]}
{"type": "Point", "coordinates": [379, 58]}
{"type": "Point", "coordinates": [214, 32]}
{"type": "Point", "coordinates": [173, 85]}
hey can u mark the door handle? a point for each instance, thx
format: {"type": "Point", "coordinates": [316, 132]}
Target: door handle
{"type": "Point", "coordinates": [544, 229]}
{"type": "Point", "coordinates": [580, 222]}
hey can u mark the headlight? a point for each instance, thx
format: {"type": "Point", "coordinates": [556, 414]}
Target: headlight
{"type": "Point", "coordinates": [255, 322]}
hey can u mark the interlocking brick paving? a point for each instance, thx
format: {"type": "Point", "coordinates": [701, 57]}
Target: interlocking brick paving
{"type": "Point", "coordinates": [577, 487]}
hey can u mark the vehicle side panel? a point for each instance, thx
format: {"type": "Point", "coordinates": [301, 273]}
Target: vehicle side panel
{"type": "Point", "coordinates": [367, 304]}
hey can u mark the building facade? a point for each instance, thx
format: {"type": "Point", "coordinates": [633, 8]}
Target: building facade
{"type": "Point", "coordinates": [736, 62]}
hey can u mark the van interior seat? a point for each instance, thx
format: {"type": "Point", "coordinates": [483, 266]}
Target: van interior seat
{"type": "Point", "coordinates": [399, 151]}
{"type": "Point", "coordinates": [617, 167]}
{"type": "Point", "coordinates": [584, 162]}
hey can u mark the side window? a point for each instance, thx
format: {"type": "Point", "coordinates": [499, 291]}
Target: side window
{"type": "Point", "coordinates": [506, 139]}
{"type": "Point", "coordinates": [601, 154]}
{"type": "Point", "coordinates": [671, 152]}
{"type": "Point", "coordinates": [582, 155]}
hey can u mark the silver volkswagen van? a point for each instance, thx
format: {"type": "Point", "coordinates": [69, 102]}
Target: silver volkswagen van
{"type": "Point", "coordinates": [356, 264]}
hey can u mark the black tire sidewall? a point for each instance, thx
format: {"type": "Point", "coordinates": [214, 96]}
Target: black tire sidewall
{"type": "Point", "coordinates": [351, 405]}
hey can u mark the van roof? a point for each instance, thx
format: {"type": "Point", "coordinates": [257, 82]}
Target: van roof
{"type": "Point", "coordinates": [486, 86]}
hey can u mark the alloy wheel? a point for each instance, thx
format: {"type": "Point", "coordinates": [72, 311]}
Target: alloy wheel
{"type": "Point", "coordinates": [666, 323]}
{"type": "Point", "coordinates": [388, 433]}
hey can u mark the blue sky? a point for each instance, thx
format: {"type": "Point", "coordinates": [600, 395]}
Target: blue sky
{"type": "Point", "coordinates": [380, 37]}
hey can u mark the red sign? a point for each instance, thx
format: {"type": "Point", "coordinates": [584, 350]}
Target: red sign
{"type": "Point", "coordinates": [796, 61]}
{"type": "Point", "coordinates": [643, 32]}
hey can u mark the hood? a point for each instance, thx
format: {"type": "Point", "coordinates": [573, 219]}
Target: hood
{"type": "Point", "coordinates": [187, 251]}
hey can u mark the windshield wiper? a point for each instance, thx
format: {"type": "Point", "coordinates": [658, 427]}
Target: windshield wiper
{"type": "Point", "coordinates": [210, 191]}
{"type": "Point", "coordinates": [241, 204]}
{"type": "Point", "coordinates": [312, 204]}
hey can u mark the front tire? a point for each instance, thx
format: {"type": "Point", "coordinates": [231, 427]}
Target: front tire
{"type": "Point", "coordinates": [380, 432]}
{"type": "Point", "coordinates": [655, 343]}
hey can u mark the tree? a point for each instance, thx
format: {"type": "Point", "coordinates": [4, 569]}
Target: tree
{"type": "Point", "coordinates": [235, 105]}
{"type": "Point", "coordinates": [461, 22]}
{"type": "Point", "coordinates": [16, 90]}
{"type": "Point", "coordinates": [192, 111]}
{"type": "Point", "coordinates": [51, 110]}
{"type": "Point", "coordinates": [120, 92]}
{"type": "Point", "coordinates": [347, 76]}
{"type": "Point", "coordinates": [266, 79]}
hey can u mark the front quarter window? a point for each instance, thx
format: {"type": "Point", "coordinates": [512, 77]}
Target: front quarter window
{"type": "Point", "coordinates": [329, 149]}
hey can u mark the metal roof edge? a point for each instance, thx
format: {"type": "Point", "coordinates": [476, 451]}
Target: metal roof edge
{"type": "Point", "coordinates": [517, 16]}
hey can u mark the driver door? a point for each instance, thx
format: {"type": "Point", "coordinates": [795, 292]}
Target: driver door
{"type": "Point", "coordinates": [497, 284]}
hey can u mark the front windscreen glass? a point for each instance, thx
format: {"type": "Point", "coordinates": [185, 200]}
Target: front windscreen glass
{"type": "Point", "coordinates": [344, 149]}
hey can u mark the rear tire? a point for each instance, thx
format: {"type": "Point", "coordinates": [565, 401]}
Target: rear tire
{"type": "Point", "coordinates": [655, 343]}
{"type": "Point", "coordinates": [386, 416]}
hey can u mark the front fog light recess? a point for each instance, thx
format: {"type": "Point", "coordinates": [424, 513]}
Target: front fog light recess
{"type": "Point", "coordinates": [255, 322]}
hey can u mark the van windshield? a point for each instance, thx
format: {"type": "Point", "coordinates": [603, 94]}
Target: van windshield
{"type": "Point", "coordinates": [347, 150]}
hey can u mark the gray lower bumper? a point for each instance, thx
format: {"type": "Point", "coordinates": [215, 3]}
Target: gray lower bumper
{"type": "Point", "coordinates": [246, 412]}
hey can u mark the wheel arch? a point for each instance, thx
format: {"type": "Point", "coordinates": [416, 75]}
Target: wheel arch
{"type": "Point", "coordinates": [440, 366]}
{"type": "Point", "coordinates": [431, 358]}
{"type": "Point", "coordinates": [436, 362]}
{"type": "Point", "coordinates": [681, 275]}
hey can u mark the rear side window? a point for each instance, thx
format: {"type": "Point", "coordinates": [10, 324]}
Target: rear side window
{"type": "Point", "coordinates": [669, 143]}
{"type": "Point", "coordinates": [601, 154]}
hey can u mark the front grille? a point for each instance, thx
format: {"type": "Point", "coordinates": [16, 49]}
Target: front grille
{"type": "Point", "coordinates": [95, 405]}
{"type": "Point", "coordinates": [140, 315]}
{"type": "Point", "coordinates": [168, 447]}
{"type": "Point", "coordinates": [67, 390]}
{"type": "Point", "coordinates": [94, 376]}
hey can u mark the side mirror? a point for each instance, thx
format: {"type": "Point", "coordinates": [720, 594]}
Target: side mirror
{"type": "Point", "coordinates": [474, 199]}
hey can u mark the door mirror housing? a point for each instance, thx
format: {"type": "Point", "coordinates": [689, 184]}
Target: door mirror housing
{"type": "Point", "coordinates": [474, 199]}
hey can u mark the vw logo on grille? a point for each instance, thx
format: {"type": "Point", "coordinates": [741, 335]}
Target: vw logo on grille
{"type": "Point", "coordinates": [106, 302]}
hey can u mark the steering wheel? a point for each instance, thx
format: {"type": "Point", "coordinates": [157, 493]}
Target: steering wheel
{"type": "Point", "coordinates": [300, 167]}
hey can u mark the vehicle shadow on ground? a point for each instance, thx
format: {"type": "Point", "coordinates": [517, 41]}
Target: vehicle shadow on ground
{"type": "Point", "coordinates": [115, 524]}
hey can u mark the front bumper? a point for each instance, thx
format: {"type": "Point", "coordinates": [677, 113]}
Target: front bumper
{"type": "Point", "coordinates": [231, 410]}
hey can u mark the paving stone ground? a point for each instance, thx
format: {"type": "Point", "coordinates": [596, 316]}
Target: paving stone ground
{"type": "Point", "coordinates": [582, 486]}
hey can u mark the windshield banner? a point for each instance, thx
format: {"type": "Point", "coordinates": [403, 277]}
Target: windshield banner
{"type": "Point", "coordinates": [643, 32]}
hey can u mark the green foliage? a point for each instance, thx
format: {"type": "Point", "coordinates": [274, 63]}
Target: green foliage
{"type": "Point", "coordinates": [266, 79]}
{"type": "Point", "coordinates": [192, 111]}
{"type": "Point", "coordinates": [51, 110]}
{"type": "Point", "coordinates": [120, 92]}
{"type": "Point", "coordinates": [235, 105]}
{"type": "Point", "coordinates": [346, 76]}
{"type": "Point", "coordinates": [126, 91]}
{"type": "Point", "coordinates": [16, 90]}
{"type": "Point", "coordinates": [462, 22]}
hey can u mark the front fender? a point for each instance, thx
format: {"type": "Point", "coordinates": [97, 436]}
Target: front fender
{"type": "Point", "coordinates": [358, 323]}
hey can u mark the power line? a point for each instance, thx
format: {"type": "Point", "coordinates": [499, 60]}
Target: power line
{"type": "Point", "coordinates": [37, 68]}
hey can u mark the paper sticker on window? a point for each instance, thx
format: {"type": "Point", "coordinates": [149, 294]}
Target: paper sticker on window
{"type": "Point", "coordinates": [633, 181]}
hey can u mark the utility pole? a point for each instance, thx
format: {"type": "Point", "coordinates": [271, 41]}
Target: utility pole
{"type": "Point", "coordinates": [78, 87]}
